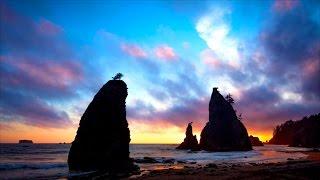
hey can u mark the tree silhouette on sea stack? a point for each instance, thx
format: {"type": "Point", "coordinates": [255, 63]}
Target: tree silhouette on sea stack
{"type": "Point", "coordinates": [118, 76]}
{"type": "Point", "coordinates": [229, 98]}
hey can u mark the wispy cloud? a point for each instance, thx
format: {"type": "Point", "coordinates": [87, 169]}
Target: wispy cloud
{"type": "Point", "coordinates": [285, 5]}
{"type": "Point", "coordinates": [37, 69]}
{"type": "Point", "coordinates": [134, 50]}
{"type": "Point", "coordinates": [214, 29]}
{"type": "Point", "coordinates": [165, 52]}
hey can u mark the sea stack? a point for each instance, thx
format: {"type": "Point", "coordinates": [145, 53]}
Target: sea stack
{"type": "Point", "coordinates": [190, 142]}
{"type": "Point", "coordinates": [255, 141]}
{"type": "Point", "coordinates": [223, 132]}
{"type": "Point", "coordinates": [103, 136]}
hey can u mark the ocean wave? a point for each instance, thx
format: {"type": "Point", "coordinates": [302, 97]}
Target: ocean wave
{"type": "Point", "coordinates": [36, 152]}
{"type": "Point", "coordinates": [14, 166]}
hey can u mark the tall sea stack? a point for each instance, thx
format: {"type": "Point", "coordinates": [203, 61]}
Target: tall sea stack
{"type": "Point", "coordinates": [223, 132]}
{"type": "Point", "coordinates": [102, 140]}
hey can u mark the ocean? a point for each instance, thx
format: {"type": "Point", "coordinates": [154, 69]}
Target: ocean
{"type": "Point", "coordinates": [29, 161]}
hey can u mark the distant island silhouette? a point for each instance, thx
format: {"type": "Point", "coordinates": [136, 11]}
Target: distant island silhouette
{"type": "Point", "coordinates": [301, 133]}
{"type": "Point", "coordinates": [25, 141]}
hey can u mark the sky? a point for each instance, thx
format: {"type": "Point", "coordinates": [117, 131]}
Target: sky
{"type": "Point", "coordinates": [55, 55]}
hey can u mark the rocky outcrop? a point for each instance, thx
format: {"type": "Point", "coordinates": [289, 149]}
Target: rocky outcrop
{"type": "Point", "coordinates": [301, 133]}
{"type": "Point", "coordinates": [190, 141]}
{"type": "Point", "coordinates": [103, 136]}
{"type": "Point", "coordinates": [223, 132]}
{"type": "Point", "coordinates": [255, 141]}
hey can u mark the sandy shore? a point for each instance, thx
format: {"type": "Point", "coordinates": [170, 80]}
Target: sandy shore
{"type": "Point", "coordinates": [308, 168]}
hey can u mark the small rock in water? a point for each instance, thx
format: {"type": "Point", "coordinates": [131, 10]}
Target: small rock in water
{"type": "Point", "coordinates": [290, 159]}
{"type": "Point", "coordinates": [146, 160]}
{"type": "Point", "coordinates": [182, 162]}
{"type": "Point", "coordinates": [211, 165]}
{"type": "Point", "coordinates": [169, 161]}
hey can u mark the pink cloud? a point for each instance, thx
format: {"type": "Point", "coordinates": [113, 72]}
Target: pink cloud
{"type": "Point", "coordinates": [54, 74]}
{"type": "Point", "coordinates": [134, 50]}
{"type": "Point", "coordinates": [208, 57]}
{"type": "Point", "coordinates": [165, 52]}
{"type": "Point", "coordinates": [310, 67]}
{"type": "Point", "coordinates": [48, 28]}
{"type": "Point", "coordinates": [285, 5]}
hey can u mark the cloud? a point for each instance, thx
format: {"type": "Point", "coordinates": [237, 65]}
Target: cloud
{"type": "Point", "coordinates": [183, 97]}
{"type": "Point", "coordinates": [215, 31]}
{"type": "Point", "coordinates": [134, 51]}
{"type": "Point", "coordinates": [47, 27]}
{"type": "Point", "coordinates": [31, 110]}
{"type": "Point", "coordinates": [291, 51]}
{"type": "Point", "coordinates": [26, 36]}
{"type": "Point", "coordinates": [47, 78]}
{"type": "Point", "coordinates": [165, 52]}
{"type": "Point", "coordinates": [181, 113]}
{"type": "Point", "coordinates": [263, 108]}
{"type": "Point", "coordinates": [285, 5]}
{"type": "Point", "coordinates": [38, 70]}
{"type": "Point", "coordinates": [208, 57]}
{"type": "Point", "coordinates": [278, 78]}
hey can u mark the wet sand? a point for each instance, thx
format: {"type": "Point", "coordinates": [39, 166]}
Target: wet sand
{"type": "Point", "coordinates": [307, 168]}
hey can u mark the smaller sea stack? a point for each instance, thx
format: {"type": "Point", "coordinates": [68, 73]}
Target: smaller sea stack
{"type": "Point", "coordinates": [255, 141]}
{"type": "Point", "coordinates": [190, 141]}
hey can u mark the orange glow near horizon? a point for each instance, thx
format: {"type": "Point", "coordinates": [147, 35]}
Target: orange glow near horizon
{"type": "Point", "coordinates": [155, 133]}
{"type": "Point", "coordinates": [16, 131]}
{"type": "Point", "coordinates": [262, 135]}
{"type": "Point", "coordinates": [141, 133]}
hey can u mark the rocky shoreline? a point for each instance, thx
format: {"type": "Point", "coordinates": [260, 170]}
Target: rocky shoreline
{"type": "Point", "coordinates": [306, 168]}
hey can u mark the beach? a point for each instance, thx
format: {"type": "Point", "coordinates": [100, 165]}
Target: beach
{"type": "Point", "coordinates": [304, 168]}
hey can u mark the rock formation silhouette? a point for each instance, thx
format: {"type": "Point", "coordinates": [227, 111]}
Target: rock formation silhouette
{"type": "Point", "coordinates": [255, 141]}
{"type": "Point", "coordinates": [103, 136]}
{"type": "Point", "coordinates": [190, 141]}
{"type": "Point", "coordinates": [301, 133]}
{"type": "Point", "coordinates": [25, 141]}
{"type": "Point", "coordinates": [223, 132]}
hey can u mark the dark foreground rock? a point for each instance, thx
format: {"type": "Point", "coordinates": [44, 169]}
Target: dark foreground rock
{"type": "Point", "coordinates": [102, 140]}
{"type": "Point", "coordinates": [301, 133]}
{"type": "Point", "coordinates": [190, 141]}
{"type": "Point", "coordinates": [223, 132]}
{"type": "Point", "coordinates": [147, 160]}
{"type": "Point", "coordinates": [255, 141]}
